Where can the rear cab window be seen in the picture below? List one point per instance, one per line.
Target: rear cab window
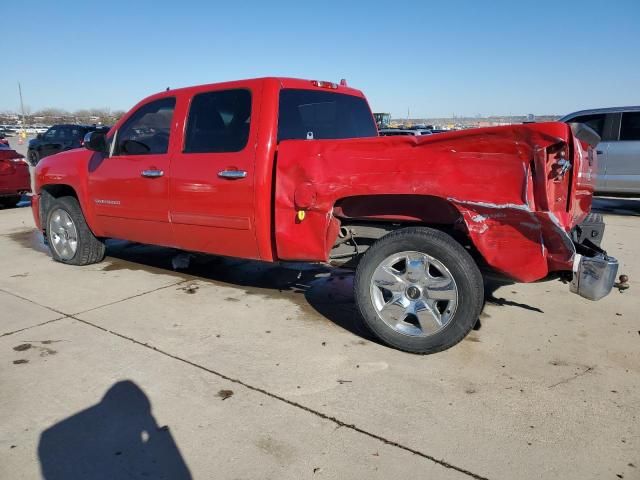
(318, 115)
(630, 126)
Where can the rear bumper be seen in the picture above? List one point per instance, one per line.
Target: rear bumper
(593, 277)
(594, 272)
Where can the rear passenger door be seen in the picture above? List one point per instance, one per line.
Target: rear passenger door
(211, 196)
(623, 155)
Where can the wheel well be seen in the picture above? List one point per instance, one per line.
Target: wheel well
(366, 218)
(422, 209)
(48, 193)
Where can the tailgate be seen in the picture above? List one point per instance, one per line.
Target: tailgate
(564, 174)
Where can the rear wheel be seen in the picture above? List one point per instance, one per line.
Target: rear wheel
(69, 237)
(10, 202)
(419, 290)
(33, 158)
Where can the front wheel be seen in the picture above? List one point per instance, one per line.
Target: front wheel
(33, 158)
(418, 290)
(69, 237)
(11, 202)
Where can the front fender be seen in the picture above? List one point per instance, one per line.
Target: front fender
(68, 169)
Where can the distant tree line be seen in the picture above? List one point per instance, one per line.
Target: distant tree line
(51, 115)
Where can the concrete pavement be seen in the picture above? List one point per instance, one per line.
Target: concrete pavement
(236, 369)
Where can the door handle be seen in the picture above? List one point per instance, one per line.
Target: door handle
(152, 173)
(599, 152)
(232, 174)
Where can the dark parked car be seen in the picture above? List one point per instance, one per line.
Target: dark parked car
(58, 139)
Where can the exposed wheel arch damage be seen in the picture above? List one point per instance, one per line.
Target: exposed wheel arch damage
(490, 183)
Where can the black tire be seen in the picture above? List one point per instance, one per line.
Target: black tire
(449, 253)
(89, 249)
(10, 202)
(33, 158)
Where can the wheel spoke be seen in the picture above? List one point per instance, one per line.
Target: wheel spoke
(442, 288)
(388, 278)
(395, 310)
(66, 219)
(416, 267)
(428, 317)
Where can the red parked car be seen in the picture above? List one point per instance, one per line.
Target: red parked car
(287, 169)
(14, 177)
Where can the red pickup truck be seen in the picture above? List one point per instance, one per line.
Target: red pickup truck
(281, 169)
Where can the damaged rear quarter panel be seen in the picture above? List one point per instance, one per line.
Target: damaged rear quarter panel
(484, 173)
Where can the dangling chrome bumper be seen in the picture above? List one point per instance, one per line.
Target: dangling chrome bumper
(593, 277)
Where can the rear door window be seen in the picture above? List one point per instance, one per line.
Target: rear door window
(595, 121)
(630, 126)
(310, 114)
(218, 122)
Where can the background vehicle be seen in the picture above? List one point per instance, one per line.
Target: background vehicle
(4, 143)
(382, 119)
(15, 179)
(619, 148)
(388, 132)
(58, 138)
(282, 169)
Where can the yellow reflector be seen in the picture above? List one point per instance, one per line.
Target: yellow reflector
(301, 215)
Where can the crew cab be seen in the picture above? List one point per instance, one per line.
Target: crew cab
(281, 169)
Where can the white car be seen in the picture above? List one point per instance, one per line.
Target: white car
(619, 147)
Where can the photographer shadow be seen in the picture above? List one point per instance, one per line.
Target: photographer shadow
(116, 438)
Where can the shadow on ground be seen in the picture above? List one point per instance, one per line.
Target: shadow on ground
(317, 289)
(616, 206)
(116, 438)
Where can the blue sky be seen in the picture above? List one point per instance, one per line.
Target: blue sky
(437, 58)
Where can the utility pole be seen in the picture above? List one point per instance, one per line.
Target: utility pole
(21, 105)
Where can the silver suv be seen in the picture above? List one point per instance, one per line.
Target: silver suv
(619, 149)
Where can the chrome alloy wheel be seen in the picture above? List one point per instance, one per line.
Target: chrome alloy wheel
(63, 234)
(414, 293)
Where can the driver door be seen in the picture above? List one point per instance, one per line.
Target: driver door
(129, 185)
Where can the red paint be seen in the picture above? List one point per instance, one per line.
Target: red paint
(499, 185)
(14, 173)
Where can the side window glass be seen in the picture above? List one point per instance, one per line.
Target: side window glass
(65, 133)
(51, 134)
(630, 126)
(595, 121)
(147, 131)
(218, 122)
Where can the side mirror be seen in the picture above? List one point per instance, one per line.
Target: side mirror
(40, 136)
(96, 141)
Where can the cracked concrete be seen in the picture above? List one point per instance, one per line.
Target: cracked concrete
(547, 388)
